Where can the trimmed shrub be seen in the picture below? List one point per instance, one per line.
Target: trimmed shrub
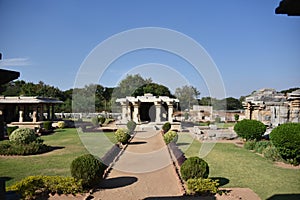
(286, 139)
(61, 124)
(31, 186)
(271, 153)
(218, 119)
(250, 129)
(47, 125)
(170, 136)
(95, 121)
(88, 169)
(261, 145)
(131, 125)
(194, 167)
(122, 135)
(236, 117)
(23, 136)
(101, 120)
(202, 186)
(250, 145)
(12, 148)
(10, 129)
(166, 127)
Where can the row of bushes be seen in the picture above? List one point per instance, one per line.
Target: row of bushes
(285, 139)
(32, 186)
(195, 172)
(86, 170)
(266, 148)
(23, 141)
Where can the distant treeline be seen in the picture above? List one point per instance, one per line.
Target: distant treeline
(104, 97)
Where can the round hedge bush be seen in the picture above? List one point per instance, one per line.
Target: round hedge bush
(170, 136)
(61, 124)
(131, 125)
(166, 127)
(122, 135)
(286, 139)
(88, 169)
(101, 120)
(23, 136)
(194, 167)
(250, 129)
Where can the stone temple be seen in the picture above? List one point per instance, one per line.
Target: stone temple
(273, 108)
(147, 108)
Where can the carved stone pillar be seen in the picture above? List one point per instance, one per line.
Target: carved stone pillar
(1, 125)
(136, 112)
(21, 119)
(34, 116)
(158, 112)
(124, 112)
(170, 112)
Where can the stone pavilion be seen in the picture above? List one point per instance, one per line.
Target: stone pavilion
(147, 108)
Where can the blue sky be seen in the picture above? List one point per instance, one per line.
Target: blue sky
(251, 46)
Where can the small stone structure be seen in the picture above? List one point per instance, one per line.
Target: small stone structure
(202, 113)
(147, 108)
(27, 109)
(273, 108)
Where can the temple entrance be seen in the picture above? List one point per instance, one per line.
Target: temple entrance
(147, 108)
(147, 112)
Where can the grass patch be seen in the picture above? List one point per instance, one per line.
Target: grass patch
(69, 146)
(245, 169)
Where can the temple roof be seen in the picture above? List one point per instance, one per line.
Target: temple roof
(28, 100)
(7, 76)
(289, 7)
(147, 98)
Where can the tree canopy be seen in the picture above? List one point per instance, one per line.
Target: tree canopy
(187, 96)
(103, 98)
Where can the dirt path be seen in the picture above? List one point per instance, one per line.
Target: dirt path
(145, 169)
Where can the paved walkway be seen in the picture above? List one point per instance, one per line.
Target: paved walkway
(144, 170)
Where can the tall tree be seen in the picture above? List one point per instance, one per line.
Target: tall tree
(129, 85)
(187, 96)
(153, 88)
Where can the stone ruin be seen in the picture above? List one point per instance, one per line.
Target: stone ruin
(273, 108)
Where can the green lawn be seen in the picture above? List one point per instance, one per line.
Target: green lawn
(69, 146)
(243, 168)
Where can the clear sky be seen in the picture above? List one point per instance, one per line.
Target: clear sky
(251, 46)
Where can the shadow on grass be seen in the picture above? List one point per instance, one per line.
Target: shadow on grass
(5, 178)
(53, 148)
(137, 142)
(117, 182)
(211, 197)
(182, 143)
(222, 181)
(59, 130)
(284, 197)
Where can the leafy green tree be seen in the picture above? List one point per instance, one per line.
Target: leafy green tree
(153, 88)
(233, 104)
(187, 96)
(129, 85)
(206, 101)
